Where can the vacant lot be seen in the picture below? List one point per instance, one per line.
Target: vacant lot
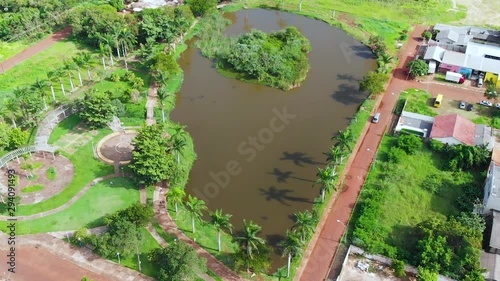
(480, 12)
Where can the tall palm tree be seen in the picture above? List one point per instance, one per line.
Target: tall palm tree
(39, 88)
(335, 154)
(304, 224)
(176, 195)
(325, 179)
(58, 73)
(68, 67)
(176, 146)
(291, 246)
(79, 63)
(384, 60)
(249, 241)
(11, 110)
(195, 208)
(221, 221)
(51, 75)
(86, 59)
(344, 139)
(162, 97)
(115, 34)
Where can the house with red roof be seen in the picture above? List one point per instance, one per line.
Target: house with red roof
(455, 129)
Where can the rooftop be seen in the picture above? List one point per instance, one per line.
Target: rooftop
(454, 125)
(491, 262)
(495, 230)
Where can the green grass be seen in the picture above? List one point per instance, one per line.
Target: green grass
(418, 101)
(405, 203)
(39, 65)
(9, 49)
(205, 235)
(99, 201)
(86, 169)
(51, 173)
(64, 127)
(33, 188)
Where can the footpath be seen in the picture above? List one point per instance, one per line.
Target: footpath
(318, 257)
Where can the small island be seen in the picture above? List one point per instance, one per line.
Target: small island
(278, 59)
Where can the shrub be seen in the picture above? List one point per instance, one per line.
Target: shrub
(426, 275)
(129, 76)
(119, 107)
(115, 77)
(437, 146)
(409, 143)
(426, 35)
(399, 268)
(433, 183)
(395, 155)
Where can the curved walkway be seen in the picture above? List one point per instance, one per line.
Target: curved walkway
(67, 204)
(35, 49)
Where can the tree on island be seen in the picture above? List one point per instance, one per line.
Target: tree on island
(177, 262)
(418, 68)
(151, 163)
(95, 109)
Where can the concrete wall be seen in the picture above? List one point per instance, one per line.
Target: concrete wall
(449, 140)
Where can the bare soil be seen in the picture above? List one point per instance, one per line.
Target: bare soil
(481, 12)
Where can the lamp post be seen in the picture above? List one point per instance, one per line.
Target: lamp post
(118, 254)
(343, 233)
(374, 157)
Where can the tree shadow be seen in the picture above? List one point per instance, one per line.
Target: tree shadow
(348, 94)
(348, 77)
(282, 176)
(273, 240)
(363, 52)
(300, 158)
(404, 238)
(281, 195)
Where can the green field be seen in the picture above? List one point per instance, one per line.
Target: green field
(64, 127)
(9, 49)
(39, 65)
(417, 101)
(399, 188)
(88, 211)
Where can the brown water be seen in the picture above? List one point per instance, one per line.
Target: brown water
(259, 148)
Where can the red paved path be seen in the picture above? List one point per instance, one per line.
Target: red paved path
(319, 255)
(33, 50)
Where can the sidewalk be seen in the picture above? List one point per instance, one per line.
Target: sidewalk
(35, 49)
(319, 255)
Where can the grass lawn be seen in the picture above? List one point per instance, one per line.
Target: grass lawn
(418, 101)
(404, 201)
(51, 173)
(9, 49)
(86, 169)
(39, 65)
(101, 200)
(33, 188)
(205, 235)
(64, 127)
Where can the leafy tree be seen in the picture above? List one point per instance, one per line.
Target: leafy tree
(95, 109)
(39, 88)
(418, 68)
(195, 208)
(80, 236)
(176, 195)
(373, 82)
(491, 92)
(200, 7)
(150, 161)
(16, 138)
(219, 222)
(396, 155)
(30, 105)
(118, 4)
(377, 44)
(250, 243)
(177, 262)
(425, 274)
(305, 224)
(291, 246)
(399, 268)
(409, 143)
(427, 35)
(122, 237)
(138, 214)
(165, 63)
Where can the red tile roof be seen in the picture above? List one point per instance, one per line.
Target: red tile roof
(454, 125)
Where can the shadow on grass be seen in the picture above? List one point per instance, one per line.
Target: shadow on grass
(405, 239)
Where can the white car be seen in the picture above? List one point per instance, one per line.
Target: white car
(485, 103)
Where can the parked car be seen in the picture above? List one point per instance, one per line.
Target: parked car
(462, 105)
(470, 107)
(485, 103)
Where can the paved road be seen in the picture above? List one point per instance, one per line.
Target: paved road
(320, 253)
(35, 49)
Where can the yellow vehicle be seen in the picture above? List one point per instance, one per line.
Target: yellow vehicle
(438, 101)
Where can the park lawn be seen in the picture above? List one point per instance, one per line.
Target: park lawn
(99, 201)
(26, 73)
(405, 204)
(9, 49)
(51, 173)
(205, 235)
(87, 168)
(64, 127)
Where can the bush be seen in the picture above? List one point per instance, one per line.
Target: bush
(119, 107)
(426, 275)
(426, 35)
(396, 154)
(433, 183)
(409, 143)
(437, 146)
(115, 77)
(399, 268)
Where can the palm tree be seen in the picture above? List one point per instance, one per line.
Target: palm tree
(11, 110)
(344, 139)
(86, 59)
(162, 97)
(39, 88)
(58, 73)
(176, 195)
(176, 146)
(68, 67)
(384, 60)
(195, 208)
(325, 178)
(221, 221)
(304, 224)
(249, 241)
(335, 154)
(106, 42)
(50, 76)
(291, 246)
(116, 35)
(79, 63)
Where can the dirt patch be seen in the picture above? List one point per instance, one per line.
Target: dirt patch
(347, 19)
(117, 147)
(64, 172)
(480, 12)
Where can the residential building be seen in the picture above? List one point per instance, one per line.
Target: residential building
(455, 129)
